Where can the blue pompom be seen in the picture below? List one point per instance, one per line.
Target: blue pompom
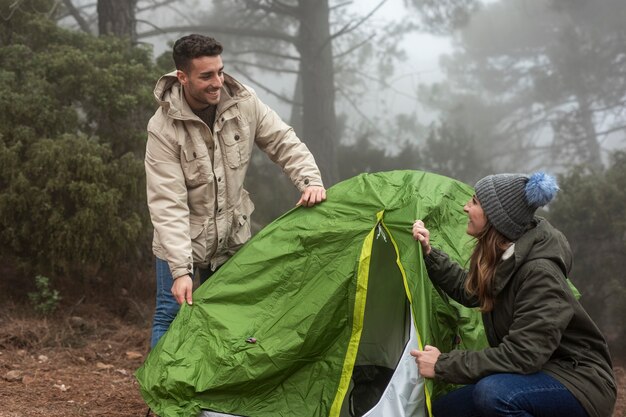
(541, 189)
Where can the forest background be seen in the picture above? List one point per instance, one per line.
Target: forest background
(520, 85)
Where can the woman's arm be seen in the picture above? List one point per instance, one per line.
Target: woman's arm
(541, 315)
(444, 273)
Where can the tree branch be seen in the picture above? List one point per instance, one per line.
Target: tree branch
(609, 131)
(385, 84)
(276, 7)
(266, 89)
(82, 23)
(354, 48)
(340, 5)
(168, 4)
(267, 53)
(12, 9)
(349, 27)
(261, 66)
(228, 30)
(619, 104)
(156, 5)
(366, 118)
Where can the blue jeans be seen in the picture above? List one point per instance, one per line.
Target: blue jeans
(166, 305)
(499, 395)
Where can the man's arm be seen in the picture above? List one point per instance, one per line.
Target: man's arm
(279, 141)
(167, 202)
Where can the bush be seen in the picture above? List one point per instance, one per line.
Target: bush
(73, 114)
(45, 300)
(590, 212)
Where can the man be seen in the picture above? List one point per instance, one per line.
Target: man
(198, 151)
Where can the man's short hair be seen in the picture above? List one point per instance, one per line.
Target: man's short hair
(194, 46)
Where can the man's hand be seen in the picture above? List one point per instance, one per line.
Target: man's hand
(426, 360)
(311, 196)
(182, 289)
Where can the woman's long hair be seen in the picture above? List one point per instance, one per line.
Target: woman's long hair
(490, 246)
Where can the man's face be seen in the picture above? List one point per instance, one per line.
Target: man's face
(202, 81)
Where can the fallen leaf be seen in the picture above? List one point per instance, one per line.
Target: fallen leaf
(27, 380)
(13, 376)
(131, 354)
(101, 365)
(42, 358)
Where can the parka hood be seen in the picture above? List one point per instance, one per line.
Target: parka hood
(544, 242)
(168, 92)
(540, 241)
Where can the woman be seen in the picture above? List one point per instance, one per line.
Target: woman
(546, 357)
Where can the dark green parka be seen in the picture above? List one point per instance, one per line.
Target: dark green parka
(536, 323)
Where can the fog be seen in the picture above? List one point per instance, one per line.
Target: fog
(461, 88)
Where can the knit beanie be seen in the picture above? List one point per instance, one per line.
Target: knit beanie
(510, 200)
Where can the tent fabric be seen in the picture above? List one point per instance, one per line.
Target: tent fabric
(278, 330)
(404, 396)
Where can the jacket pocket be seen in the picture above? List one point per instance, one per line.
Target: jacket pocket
(237, 145)
(197, 233)
(240, 230)
(196, 165)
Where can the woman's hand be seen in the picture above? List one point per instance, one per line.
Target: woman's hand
(421, 234)
(426, 360)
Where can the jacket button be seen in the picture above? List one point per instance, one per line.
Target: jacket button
(306, 181)
(245, 217)
(189, 267)
(219, 179)
(236, 137)
(219, 210)
(222, 119)
(194, 155)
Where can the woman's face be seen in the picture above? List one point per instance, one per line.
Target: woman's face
(477, 219)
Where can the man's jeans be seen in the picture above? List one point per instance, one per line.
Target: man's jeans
(499, 395)
(166, 305)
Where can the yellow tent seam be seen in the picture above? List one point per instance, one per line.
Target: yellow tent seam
(357, 319)
(408, 294)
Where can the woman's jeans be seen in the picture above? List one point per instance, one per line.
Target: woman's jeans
(499, 395)
(166, 305)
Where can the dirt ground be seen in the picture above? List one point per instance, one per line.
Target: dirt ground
(72, 366)
(84, 366)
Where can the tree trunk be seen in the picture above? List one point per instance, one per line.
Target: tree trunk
(318, 86)
(589, 142)
(117, 18)
(296, 108)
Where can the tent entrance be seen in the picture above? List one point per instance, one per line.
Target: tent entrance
(386, 329)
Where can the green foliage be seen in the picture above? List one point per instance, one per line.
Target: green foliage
(57, 81)
(73, 112)
(589, 210)
(45, 300)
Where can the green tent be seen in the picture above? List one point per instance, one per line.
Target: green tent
(315, 315)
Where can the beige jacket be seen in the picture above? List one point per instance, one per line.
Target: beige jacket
(199, 208)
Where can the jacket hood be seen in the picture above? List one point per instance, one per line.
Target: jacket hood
(168, 92)
(541, 241)
(544, 242)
